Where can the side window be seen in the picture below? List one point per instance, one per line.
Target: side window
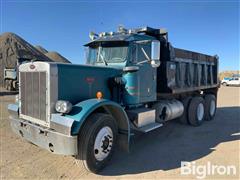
(141, 48)
(91, 54)
(134, 53)
(138, 50)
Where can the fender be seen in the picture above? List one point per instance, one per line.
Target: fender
(83, 109)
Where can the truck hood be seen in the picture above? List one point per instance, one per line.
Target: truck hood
(80, 82)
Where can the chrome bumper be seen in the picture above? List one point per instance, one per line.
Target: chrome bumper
(46, 138)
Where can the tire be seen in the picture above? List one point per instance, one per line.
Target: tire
(8, 85)
(5, 84)
(224, 84)
(99, 129)
(184, 118)
(210, 106)
(196, 111)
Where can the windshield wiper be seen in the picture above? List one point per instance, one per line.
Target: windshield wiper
(146, 56)
(103, 60)
(99, 54)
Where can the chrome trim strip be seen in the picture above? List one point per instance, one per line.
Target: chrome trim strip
(51, 92)
(61, 124)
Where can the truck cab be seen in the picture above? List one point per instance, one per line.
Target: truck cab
(135, 55)
(133, 82)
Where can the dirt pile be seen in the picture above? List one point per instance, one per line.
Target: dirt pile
(15, 50)
(55, 56)
(41, 49)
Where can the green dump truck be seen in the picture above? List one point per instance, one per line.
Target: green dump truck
(134, 81)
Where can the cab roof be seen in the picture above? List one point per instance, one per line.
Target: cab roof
(119, 38)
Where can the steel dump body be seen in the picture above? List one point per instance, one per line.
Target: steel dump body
(186, 71)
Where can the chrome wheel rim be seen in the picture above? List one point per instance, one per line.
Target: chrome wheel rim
(200, 111)
(103, 143)
(212, 107)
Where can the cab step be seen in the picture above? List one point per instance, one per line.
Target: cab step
(150, 127)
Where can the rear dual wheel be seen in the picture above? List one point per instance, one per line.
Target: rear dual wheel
(210, 106)
(200, 109)
(196, 111)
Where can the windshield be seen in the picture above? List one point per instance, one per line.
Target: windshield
(104, 54)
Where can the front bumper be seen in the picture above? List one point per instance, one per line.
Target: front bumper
(46, 138)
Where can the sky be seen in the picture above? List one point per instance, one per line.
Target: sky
(63, 26)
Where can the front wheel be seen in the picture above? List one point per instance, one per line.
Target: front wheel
(97, 141)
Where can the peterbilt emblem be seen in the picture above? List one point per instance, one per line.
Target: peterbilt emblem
(90, 79)
(32, 66)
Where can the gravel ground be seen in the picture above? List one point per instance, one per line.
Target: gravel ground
(155, 155)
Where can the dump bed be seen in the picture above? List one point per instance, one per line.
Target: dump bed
(184, 71)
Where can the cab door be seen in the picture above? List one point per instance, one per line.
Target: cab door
(146, 73)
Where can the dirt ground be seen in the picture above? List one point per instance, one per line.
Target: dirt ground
(156, 155)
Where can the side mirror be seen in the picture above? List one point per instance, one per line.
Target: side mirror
(155, 53)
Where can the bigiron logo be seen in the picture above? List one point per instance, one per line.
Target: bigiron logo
(209, 169)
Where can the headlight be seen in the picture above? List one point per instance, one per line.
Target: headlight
(63, 106)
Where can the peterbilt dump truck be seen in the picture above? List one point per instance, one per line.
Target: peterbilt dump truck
(134, 81)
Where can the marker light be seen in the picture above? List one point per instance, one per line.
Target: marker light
(99, 95)
(63, 106)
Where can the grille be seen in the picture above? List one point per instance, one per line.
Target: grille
(33, 94)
